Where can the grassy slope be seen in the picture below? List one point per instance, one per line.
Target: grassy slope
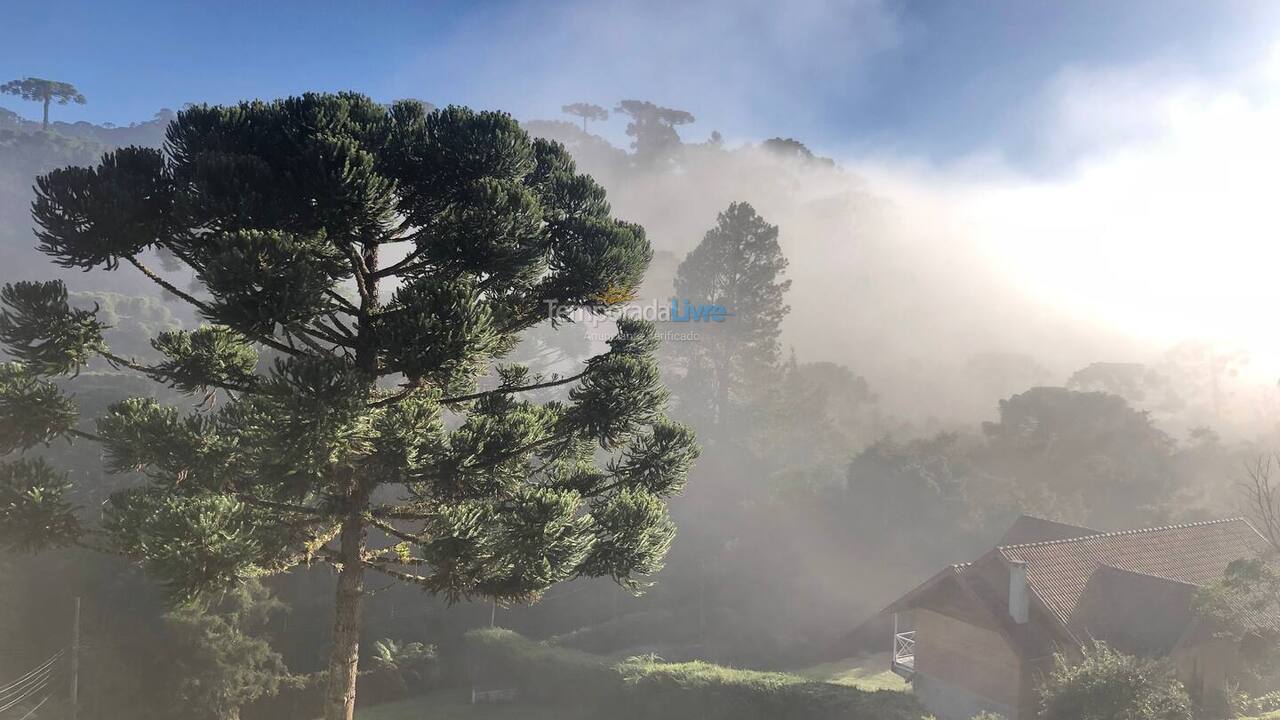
(456, 706)
(868, 672)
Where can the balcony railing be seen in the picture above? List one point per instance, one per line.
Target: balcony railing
(904, 652)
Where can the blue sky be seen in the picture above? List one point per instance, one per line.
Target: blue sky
(936, 80)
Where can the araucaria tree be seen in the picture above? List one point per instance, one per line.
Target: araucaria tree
(363, 271)
(653, 128)
(586, 111)
(44, 92)
(738, 266)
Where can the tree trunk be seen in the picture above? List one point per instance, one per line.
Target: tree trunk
(344, 656)
(46, 114)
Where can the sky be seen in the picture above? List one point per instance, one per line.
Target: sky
(1116, 160)
(936, 80)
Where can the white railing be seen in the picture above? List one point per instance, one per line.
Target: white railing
(904, 649)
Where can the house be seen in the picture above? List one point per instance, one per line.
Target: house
(980, 636)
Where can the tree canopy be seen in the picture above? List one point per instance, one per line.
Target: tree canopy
(362, 270)
(44, 92)
(653, 128)
(586, 111)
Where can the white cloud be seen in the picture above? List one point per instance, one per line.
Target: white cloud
(1164, 228)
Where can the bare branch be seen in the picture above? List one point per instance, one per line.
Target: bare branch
(392, 530)
(361, 272)
(343, 303)
(280, 506)
(397, 574)
(514, 389)
(1262, 499)
(402, 265)
(156, 373)
(167, 285)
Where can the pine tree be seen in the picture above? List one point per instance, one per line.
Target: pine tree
(738, 266)
(363, 271)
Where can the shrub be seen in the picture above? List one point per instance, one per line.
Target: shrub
(1246, 706)
(1108, 685)
(411, 665)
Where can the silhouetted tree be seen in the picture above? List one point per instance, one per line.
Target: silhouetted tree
(586, 111)
(737, 266)
(1088, 449)
(44, 92)
(1134, 382)
(1262, 501)
(653, 128)
(367, 416)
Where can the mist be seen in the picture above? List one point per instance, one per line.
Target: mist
(990, 276)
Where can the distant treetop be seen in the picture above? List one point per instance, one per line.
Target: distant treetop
(586, 111)
(45, 92)
(653, 127)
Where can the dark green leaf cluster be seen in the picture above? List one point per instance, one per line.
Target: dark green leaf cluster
(440, 332)
(41, 329)
(210, 357)
(90, 217)
(45, 411)
(196, 544)
(34, 512)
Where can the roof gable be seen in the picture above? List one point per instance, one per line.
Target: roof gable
(1029, 529)
(1135, 613)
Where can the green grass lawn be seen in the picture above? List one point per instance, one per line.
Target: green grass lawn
(457, 706)
(866, 672)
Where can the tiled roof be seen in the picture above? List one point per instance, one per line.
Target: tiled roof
(1059, 570)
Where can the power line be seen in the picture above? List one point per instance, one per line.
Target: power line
(33, 710)
(30, 685)
(22, 698)
(38, 669)
(25, 689)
